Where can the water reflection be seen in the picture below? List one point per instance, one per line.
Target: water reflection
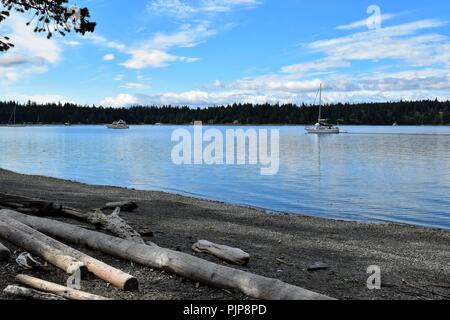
(372, 173)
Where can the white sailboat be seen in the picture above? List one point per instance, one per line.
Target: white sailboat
(13, 117)
(322, 126)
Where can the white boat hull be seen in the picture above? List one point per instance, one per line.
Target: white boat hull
(322, 130)
(118, 125)
(110, 126)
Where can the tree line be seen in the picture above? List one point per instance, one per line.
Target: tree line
(426, 112)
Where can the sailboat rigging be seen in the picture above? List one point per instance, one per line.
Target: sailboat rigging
(13, 118)
(322, 126)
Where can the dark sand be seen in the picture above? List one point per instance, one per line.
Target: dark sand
(420, 256)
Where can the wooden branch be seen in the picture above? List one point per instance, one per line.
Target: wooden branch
(26, 293)
(185, 265)
(114, 276)
(115, 224)
(123, 205)
(57, 289)
(30, 243)
(5, 254)
(232, 255)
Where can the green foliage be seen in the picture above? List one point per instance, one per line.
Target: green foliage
(48, 16)
(404, 113)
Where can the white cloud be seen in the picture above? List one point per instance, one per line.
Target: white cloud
(363, 23)
(109, 57)
(386, 43)
(33, 53)
(135, 86)
(153, 53)
(72, 43)
(186, 9)
(122, 100)
(141, 58)
(318, 65)
(119, 77)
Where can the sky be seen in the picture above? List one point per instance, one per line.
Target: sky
(215, 52)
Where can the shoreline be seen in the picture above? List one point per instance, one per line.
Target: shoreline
(193, 197)
(418, 254)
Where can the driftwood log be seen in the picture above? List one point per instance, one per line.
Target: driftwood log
(39, 207)
(5, 254)
(185, 265)
(112, 223)
(231, 255)
(26, 293)
(57, 289)
(115, 224)
(116, 277)
(30, 243)
(123, 205)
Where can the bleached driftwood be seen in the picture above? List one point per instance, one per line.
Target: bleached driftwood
(114, 276)
(29, 243)
(185, 265)
(5, 254)
(123, 205)
(26, 293)
(112, 223)
(232, 255)
(57, 289)
(25, 260)
(115, 224)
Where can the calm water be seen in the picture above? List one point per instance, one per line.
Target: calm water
(399, 174)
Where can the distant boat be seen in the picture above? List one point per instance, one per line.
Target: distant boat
(395, 124)
(322, 126)
(118, 125)
(67, 124)
(13, 118)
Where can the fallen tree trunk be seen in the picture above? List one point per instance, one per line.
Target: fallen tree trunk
(30, 243)
(26, 293)
(185, 265)
(115, 224)
(5, 254)
(114, 276)
(123, 205)
(39, 207)
(231, 255)
(57, 289)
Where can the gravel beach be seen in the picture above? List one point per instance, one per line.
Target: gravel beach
(414, 261)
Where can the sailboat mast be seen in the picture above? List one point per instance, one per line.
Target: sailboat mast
(320, 103)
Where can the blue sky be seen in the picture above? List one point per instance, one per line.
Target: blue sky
(211, 52)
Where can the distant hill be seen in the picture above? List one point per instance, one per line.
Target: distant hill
(426, 112)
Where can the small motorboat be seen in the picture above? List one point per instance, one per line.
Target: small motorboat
(118, 125)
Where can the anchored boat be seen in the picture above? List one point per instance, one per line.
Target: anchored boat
(118, 125)
(322, 126)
